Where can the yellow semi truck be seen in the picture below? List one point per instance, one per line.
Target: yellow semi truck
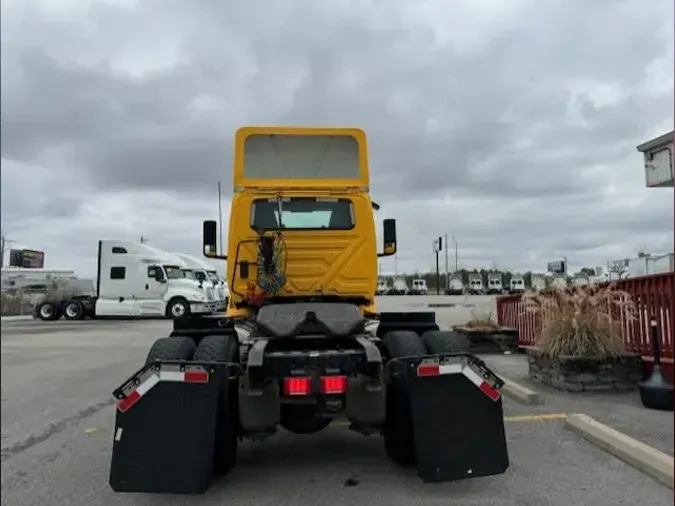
(302, 342)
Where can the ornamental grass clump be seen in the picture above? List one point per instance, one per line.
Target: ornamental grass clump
(482, 320)
(583, 321)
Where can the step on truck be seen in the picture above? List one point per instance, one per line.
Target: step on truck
(133, 280)
(302, 342)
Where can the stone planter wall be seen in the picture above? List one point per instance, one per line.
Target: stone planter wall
(577, 374)
(499, 340)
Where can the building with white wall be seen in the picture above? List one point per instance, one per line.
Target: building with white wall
(658, 160)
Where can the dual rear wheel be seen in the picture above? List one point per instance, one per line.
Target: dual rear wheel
(399, 439)
(398, 429)
(214, 348)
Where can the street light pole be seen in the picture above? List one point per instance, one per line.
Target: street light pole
(456, 253)
(438, 245)
(447, 275)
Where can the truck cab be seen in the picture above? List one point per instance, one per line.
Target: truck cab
(302, 223)
(475, 285)
(137, 280)
(204, 272)
(382, 287)
(419, 287)
(517, 284)
(455, 286)
(399, 287)
(495, 284)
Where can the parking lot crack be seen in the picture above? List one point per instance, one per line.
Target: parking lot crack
(53, 428)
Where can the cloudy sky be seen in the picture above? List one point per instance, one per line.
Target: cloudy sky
(510, 124)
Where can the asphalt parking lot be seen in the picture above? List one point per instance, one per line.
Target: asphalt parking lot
(57, 419)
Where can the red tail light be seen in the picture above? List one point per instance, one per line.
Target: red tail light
(334, 384)
(297, 385)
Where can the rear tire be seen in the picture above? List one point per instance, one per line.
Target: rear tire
(73, 310)
(171, 348)
(48, 311)
(399, 436)
(445, 341)
(219, 348)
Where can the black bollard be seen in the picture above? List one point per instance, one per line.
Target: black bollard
(656, 392)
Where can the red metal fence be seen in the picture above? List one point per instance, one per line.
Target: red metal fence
(653, 297)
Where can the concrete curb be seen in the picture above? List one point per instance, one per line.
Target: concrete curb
(650, 461)
(16, 318)
(520, 394)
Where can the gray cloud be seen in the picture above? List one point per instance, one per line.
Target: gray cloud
(513, 128)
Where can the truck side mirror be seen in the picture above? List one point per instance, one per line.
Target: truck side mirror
(159, 276)
(209, 240)
(389, 226)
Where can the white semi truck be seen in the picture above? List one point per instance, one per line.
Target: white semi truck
(382, 286)
(517, 284)
(205, 273)
(400, 287)
(455, 286)
(475, 284)
(419, 287)
(134, 280)
(494, 284)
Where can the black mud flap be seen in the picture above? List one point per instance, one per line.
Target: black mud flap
(165, 428)
(458, 418)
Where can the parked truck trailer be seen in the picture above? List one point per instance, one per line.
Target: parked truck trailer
(308, 356)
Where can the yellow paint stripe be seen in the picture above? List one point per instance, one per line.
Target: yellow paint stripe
(509, 419)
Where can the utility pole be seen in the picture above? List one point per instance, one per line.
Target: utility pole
(2, 251)
(456, 253)
(438, 246)
(447, 273)
(220, 219)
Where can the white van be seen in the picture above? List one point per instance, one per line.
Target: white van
(419, 287)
